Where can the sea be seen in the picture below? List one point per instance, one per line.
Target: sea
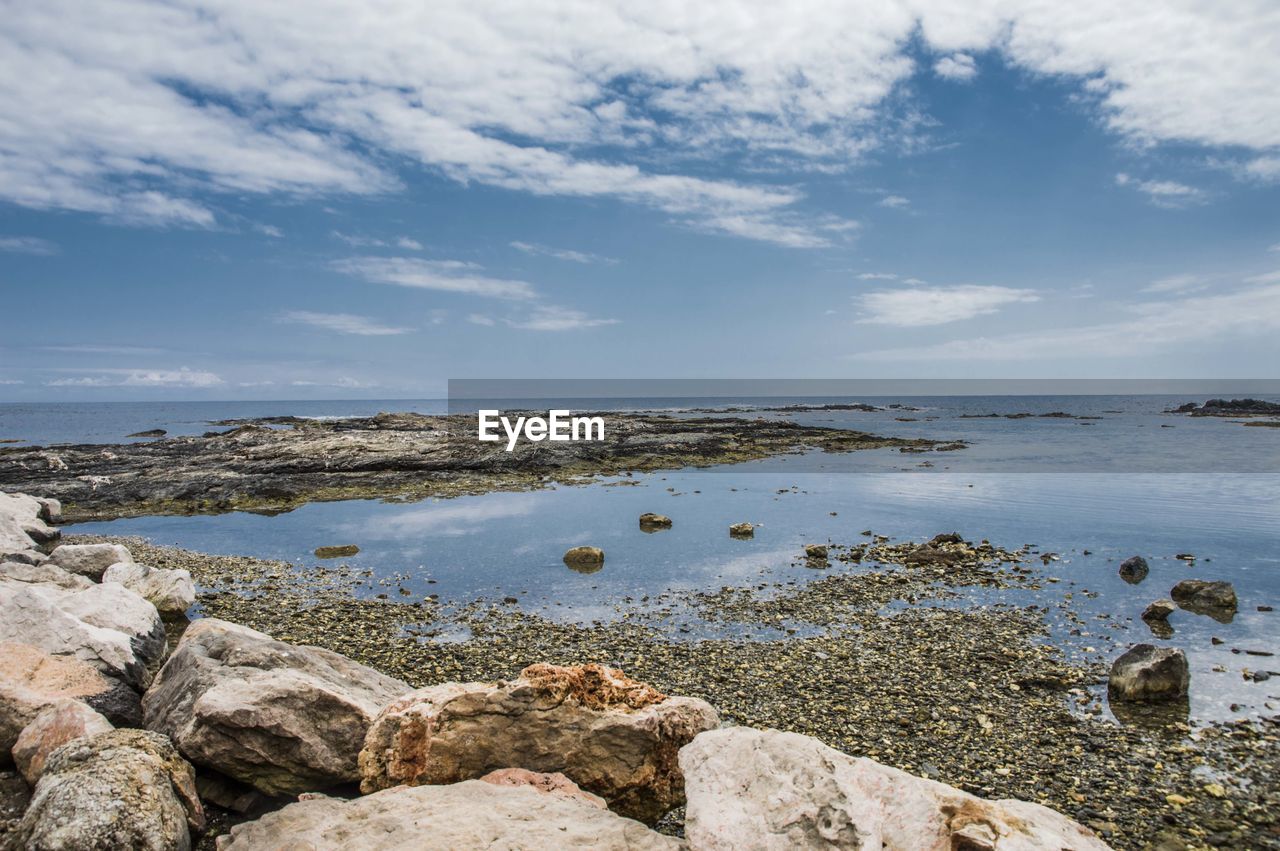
(1100, 479)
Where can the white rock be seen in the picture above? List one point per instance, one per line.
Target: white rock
(90, 560)
(23, 515)
(171, 591)
(765, 789)
(47, 574)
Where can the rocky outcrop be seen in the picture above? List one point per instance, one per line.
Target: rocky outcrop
(54, 725)
(552, 784)
(612, 736)
(45, 679)
(765, 789)
(108, 626)
(1215, 599)
(1134, 569)
(120, 789)
(281, 718)
(650, 522)
(471, 814)
(1229, 408)
(171, 591)
(91, 560)
(1149, 673)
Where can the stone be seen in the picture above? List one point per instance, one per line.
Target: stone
(471, 814)
(50, 509)
(30, 557)
(53, 726)
(742, 530)
(22, 525)
(1149, 673)
(612, 736)
(337, 551)
(1133, 569)
(64, 623)
(584, 557)
(119, 789)
(765, 789)
(50, 678)
(281, 718)
(650, 522)
(171, 591)
(1216, 599)
(43, 573)
(816, 552)
(554, 783)
(18, 708)
(1159, 610)
(89, 560)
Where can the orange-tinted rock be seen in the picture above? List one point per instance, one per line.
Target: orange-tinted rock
(554, 783)
(54, 725)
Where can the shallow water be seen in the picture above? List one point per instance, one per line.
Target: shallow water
(1013, 487)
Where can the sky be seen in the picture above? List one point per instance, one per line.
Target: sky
(238, 200)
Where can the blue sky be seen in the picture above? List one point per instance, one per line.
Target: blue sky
(210, 200)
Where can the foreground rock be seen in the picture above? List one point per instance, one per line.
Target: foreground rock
(43, 679)
(42, 573)
(54, 726)
(765, 789)
(121, 789)
(612, 736)
(1148, 673)
(91, 560)
(108, 626)
(1216, 599)
(473, 814)
(281, 718)
(171, 591)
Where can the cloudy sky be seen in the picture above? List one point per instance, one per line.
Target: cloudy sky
(318, 199)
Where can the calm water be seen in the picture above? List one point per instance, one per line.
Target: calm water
(1056, 483)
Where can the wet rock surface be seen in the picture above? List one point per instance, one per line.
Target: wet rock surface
(1216, 599)
(612, 736)
(472, 814)
(1149, 673)
(282, 718)
(403, 455)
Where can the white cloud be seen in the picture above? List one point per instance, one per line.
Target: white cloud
(551, 318)
(1263, 168)
(183, 377)
(1164, 193)
(1177, 284)
(958, 66)
(1149, 326)
(878, 276)
(895, 202)
(160, 103)
(408, 243)
(269, 230)
(343, 323)
(27, 245)
(8, 382)
(443, 275)
(561, 253)
(907, 308)
(1265, 278)
(481, 319)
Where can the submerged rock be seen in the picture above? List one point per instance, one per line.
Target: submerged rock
(339, 551)
(1133, 569)
(765, 789)
(1147, 673)
(281, 718)
(614, 737)
(471, 814)
(91, 560)
(120, 789)
(650, 522)
(171, 591)
(54, 725)
(584, 559)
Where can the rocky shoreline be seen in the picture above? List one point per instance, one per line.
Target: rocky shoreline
(278, 463)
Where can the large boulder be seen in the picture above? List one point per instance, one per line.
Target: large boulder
(22, 523)
(91, 560)
(472, 814)
(765, 789)
(47, 678)
(281, 718)
(171, 591)
(1216, 599)
(120, 789)
(1149, 673)
(54, 725)
(552, 784)
(612, 736)
(83, 624)
(42, 573)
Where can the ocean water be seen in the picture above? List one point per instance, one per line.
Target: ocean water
(1117, 486)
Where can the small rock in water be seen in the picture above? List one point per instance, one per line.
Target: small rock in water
(1133, 569)
(154, 432)
(1149, 673)
(742, 530)
(1185, 557)
(816, 552)
(650, 522)
(1159, 610)
(339, 551)
(1215, 599)
(584, 559)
